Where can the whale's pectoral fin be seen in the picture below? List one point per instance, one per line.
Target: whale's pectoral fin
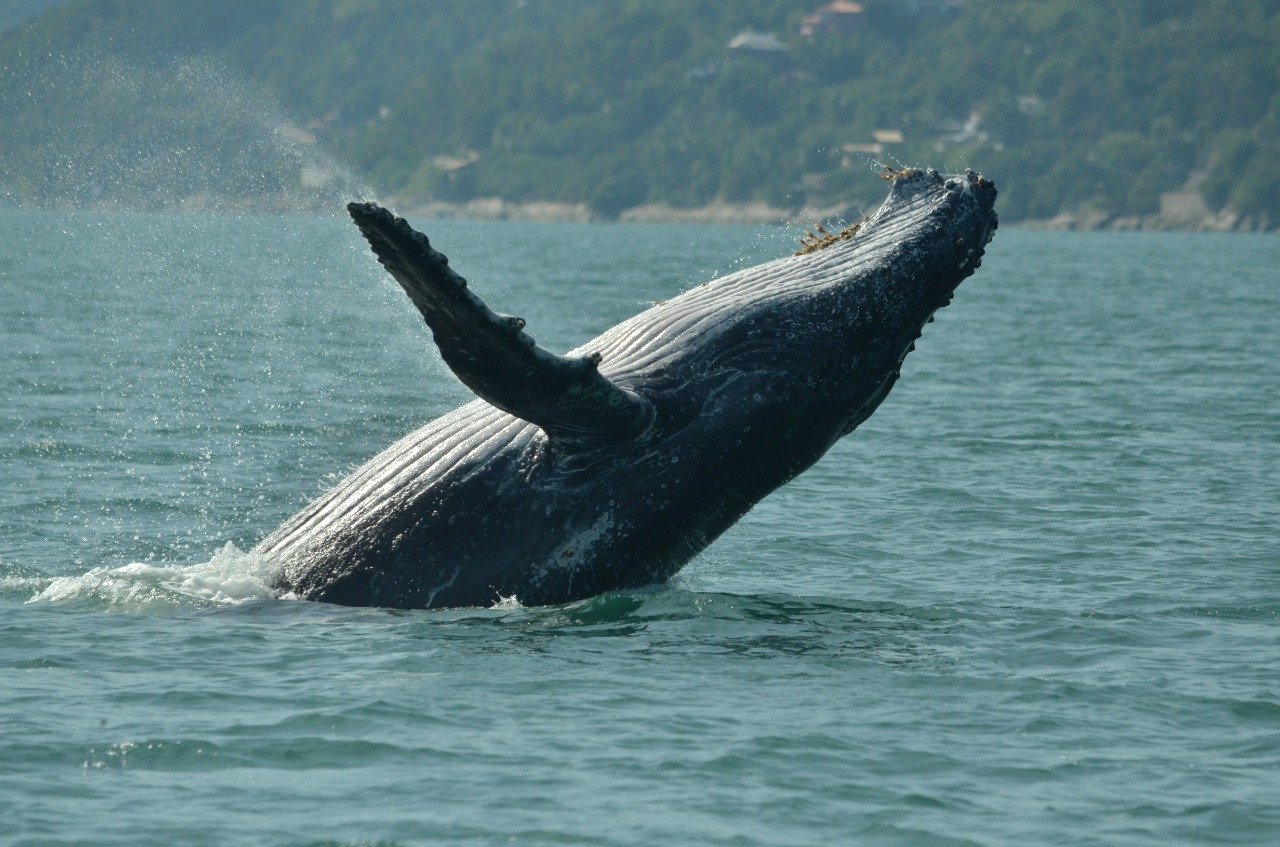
(490, 353)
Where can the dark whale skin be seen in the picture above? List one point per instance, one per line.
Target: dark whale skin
(611, 467)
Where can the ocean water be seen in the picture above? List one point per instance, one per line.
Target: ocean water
(1035, 600)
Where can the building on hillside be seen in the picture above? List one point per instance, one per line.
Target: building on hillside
(881, 140)
(966, 133)
(838, 18)
(762, 46)
(844, 17)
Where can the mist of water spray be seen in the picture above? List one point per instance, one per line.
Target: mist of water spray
(166, 133)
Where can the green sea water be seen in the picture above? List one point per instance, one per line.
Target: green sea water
(1034, 600)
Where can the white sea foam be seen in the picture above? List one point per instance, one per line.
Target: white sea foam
(232, 576)
(507, 603)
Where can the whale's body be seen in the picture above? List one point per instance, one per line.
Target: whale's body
(610, 467)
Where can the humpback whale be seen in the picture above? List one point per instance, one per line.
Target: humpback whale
(611, 466)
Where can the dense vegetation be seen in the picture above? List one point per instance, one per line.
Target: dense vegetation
(616, 103)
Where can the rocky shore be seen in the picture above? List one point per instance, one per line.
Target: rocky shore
(755, 213)
(1183, 210)
(1180, 211)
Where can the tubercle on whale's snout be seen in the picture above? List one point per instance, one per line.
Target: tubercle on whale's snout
(923, 201)
(912, 182)
(918, 192)
(981, 181)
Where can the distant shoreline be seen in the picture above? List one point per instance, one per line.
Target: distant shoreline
(718, 212)
(1180, 211)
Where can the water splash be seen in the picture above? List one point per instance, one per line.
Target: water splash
(176, 133)
(231, 577)
(507, 604)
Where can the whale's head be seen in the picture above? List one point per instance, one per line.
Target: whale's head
(903, 265)
(828, 327)
(876, 286)
(927, 236)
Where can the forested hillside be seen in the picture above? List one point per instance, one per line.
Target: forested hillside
(1094, 109)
